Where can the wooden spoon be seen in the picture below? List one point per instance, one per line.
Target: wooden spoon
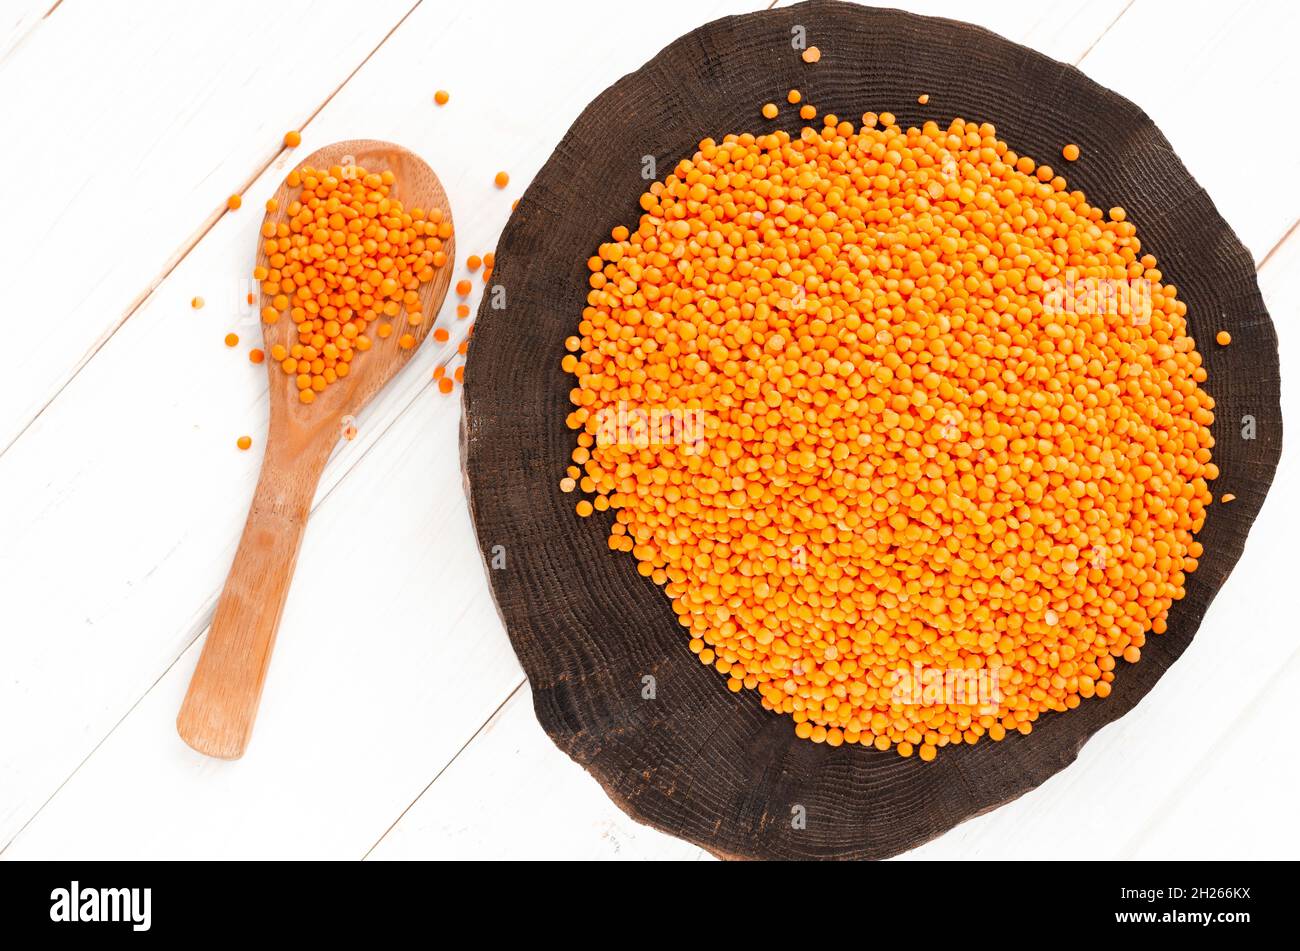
(221, 705)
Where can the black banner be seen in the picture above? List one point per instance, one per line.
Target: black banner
(1221, 901)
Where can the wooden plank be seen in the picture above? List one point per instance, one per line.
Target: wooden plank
(132, 146)
(513, 795)
(149, 483)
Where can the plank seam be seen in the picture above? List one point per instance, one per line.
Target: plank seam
(447, 765)
(1093, 45)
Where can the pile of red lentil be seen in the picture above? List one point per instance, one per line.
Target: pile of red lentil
(348, 256)
(913, 456)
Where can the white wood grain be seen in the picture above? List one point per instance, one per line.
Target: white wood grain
(513, 795)
(1211, 73)
(387, 660)
(120, 506)
(133, 123)
(18, 18)
(1239, 801)
(150, 487)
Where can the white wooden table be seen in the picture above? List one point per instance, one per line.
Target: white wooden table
(396, 721)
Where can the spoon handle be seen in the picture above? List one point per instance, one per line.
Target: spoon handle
(221, 704)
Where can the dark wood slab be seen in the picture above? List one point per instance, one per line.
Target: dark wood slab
(698, 761)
